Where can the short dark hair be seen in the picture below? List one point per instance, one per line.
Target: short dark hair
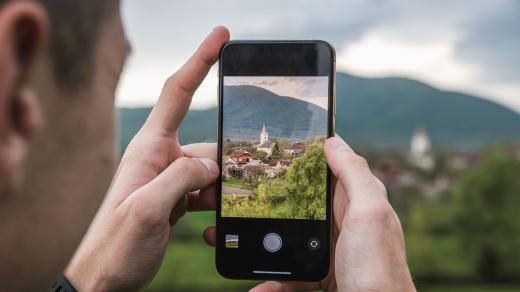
(75, 27)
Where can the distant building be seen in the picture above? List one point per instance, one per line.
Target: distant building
(242, 157)
(264, 135)
(283, 164)
(230, 168)
(296, 149)
(265, 145)
(420, 149)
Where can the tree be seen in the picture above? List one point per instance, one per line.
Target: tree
(277, 153)
(255, 175)
(487, 201)
(306, 184)
(274, 190)
(228, 148)
(260, 155)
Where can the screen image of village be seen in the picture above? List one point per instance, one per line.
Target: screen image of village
(272, 157)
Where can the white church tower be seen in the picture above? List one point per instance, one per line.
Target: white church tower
(420, 149)
(264, 136)
(265, 145)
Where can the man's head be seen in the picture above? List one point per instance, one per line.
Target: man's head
(60, 61)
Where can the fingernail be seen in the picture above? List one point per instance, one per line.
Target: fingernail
(337, 143)
(210, 165)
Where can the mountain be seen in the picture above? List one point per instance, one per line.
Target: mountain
(381, 113)
(385, 111)
(247, 108)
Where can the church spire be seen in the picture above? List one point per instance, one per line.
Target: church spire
(264, 136)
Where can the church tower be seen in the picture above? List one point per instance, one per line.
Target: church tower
(421, 149)
(264, 136)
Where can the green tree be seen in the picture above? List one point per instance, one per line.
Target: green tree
(260, 155)
(306, 184)
(487, 201)
(228, 148)
(274, 190)
(277, 153)
(255, 175)
(283, 143)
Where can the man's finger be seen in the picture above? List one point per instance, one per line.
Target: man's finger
(203, 200)
(351, 169)
(178, 210)
(200, 150)
(179, 178)
(178, 90)
(210, 235)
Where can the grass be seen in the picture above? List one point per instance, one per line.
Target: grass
(189, 264)
(235, 182)
(282, 209)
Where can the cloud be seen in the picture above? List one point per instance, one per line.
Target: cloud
(493, 41)
(377, 54)
(268, 83)
(474, 42)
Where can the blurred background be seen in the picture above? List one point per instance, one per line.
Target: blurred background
(428, 91)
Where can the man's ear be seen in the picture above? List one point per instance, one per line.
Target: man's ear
(23, 33)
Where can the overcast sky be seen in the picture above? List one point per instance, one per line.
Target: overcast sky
(469, 45)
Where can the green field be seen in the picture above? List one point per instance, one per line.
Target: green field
(189, 264)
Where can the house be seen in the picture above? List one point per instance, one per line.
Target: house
(227, 161)
(230, 168)
(265, 145)
(296, 149)
(234, 164)
(271, 172)
(283, 164)
(242, 157)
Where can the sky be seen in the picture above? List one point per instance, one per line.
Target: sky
(467, 45)
(313, 89)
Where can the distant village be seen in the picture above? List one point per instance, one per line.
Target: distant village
(423, 170)
(241, 162)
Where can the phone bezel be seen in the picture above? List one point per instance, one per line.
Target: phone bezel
(330, 72)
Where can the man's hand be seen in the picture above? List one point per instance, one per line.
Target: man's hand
(156, 182)
(370, 253)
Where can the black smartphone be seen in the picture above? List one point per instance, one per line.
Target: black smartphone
(276, 109)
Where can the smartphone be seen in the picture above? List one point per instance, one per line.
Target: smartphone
(276, 109)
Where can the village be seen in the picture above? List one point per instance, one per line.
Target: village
(420, 170)
(263, 158)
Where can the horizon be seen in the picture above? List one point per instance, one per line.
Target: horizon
(215, 104)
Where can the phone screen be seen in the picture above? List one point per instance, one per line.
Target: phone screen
(273, 218)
